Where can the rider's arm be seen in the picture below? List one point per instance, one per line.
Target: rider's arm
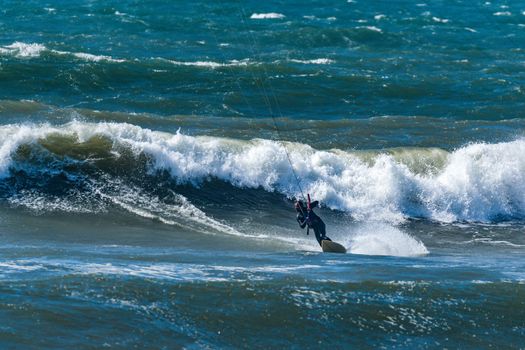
(301, 220)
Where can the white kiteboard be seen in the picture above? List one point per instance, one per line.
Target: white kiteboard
(332, 247)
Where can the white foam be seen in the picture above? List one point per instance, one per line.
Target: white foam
(11, 137)
(24, 50)
(440, 20)
(381, 239)
(178, 272)
(479, 182)
(20, 49)
(371, 28)
(502, 13)
(410, 284)
(314, 61)
(96, 58)
(271, 15)
(17, 266)
(495, 242)
(179, 213)
(210, 64)
(40, 202)
(88, 57)
(155, 270)
(481, 282)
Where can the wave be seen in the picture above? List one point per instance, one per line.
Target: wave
(271, 15)
(175, 210)
(502, 13)
(24, 50)
(476, 183)
(34, 50)
(211, 64)
(494, 242)
(314, 61)
(89, 57)
(371, 28)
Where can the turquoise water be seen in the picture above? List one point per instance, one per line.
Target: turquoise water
(148, 161)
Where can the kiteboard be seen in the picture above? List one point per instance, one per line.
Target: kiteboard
(332, 247)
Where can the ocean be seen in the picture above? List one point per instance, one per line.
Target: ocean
(151, 152)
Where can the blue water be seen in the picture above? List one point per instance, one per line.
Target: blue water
(150, 152)
(440, 59)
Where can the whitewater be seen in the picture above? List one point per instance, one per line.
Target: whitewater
(476, 183)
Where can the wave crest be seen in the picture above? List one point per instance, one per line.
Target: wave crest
(24, 50)
(477, 183)
(271, 15)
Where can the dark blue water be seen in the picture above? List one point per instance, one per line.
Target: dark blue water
(319, 61)
(150, 152)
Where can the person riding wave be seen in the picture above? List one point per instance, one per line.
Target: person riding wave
(307, 218)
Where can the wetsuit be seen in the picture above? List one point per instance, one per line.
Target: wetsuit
(308, 218)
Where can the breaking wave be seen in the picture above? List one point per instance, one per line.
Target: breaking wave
(35, 50)
(271, 15)
(24, 50)
(476, 183)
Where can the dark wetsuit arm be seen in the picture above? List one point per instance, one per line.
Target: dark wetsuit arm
(301, 220)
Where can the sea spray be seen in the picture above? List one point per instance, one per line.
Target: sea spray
(383, 239)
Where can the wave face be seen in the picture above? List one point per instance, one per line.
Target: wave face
(475, 183)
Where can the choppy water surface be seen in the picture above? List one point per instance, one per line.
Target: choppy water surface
(146, 195)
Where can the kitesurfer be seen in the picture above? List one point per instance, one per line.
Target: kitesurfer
(307, 218)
